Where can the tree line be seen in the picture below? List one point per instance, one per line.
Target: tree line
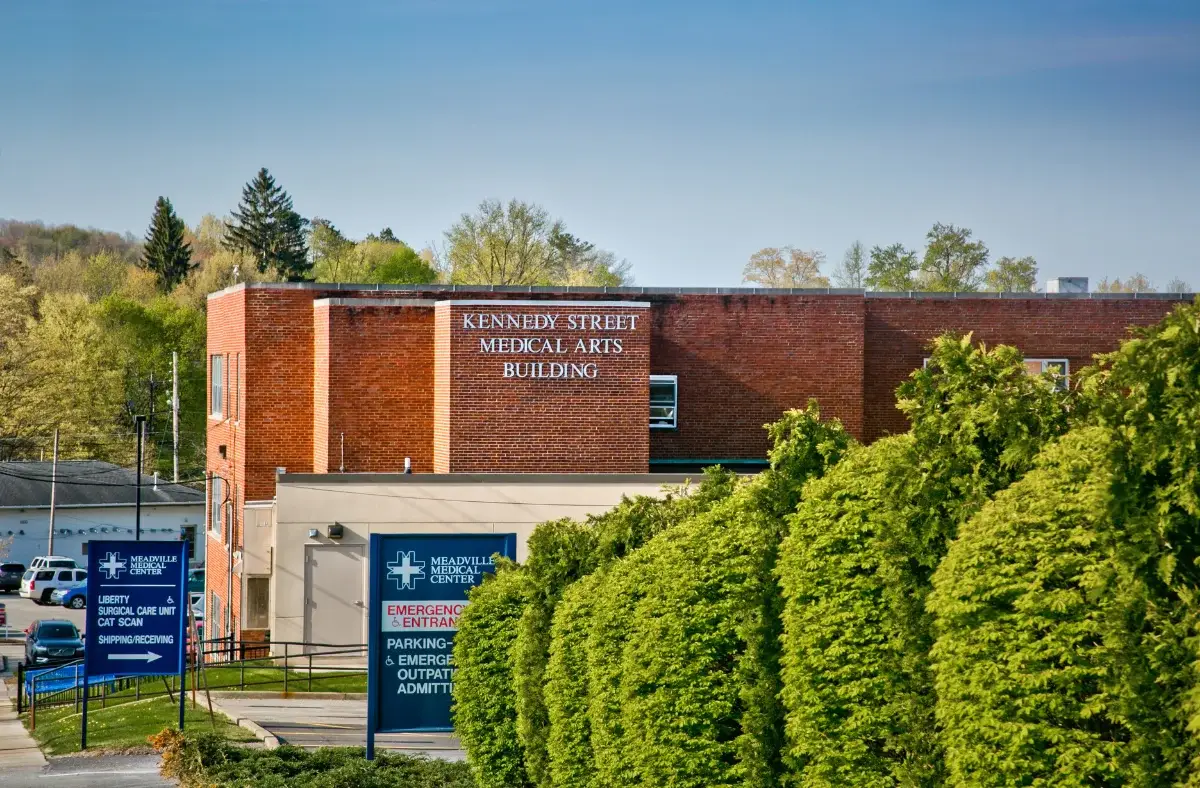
(1004, 595)
(952, 261)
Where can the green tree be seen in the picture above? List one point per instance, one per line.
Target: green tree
(266, 227)
(857, 565)
(519, 244)
(891, 268)
(952, 262)
(578, 262)
(1177, 285)
(17, 302)
(853, 269)
(484, 710)
(501, 245)
(1138, 283)
(785, 266)
(165, 252)
(1013, 275)
(1027, 662)
(327, 244)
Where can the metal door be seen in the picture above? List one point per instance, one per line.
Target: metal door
(334, 590)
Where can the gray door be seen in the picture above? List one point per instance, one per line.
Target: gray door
(334, 584)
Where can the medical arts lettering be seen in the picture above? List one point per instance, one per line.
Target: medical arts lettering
(589, 336)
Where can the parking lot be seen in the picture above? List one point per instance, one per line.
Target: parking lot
(22, 612)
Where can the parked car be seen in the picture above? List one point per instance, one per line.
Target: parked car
(196, 580)
(52, 640)
(39, 584)
(53, 562)
(10, 576)
(74, 598)
(3, 616)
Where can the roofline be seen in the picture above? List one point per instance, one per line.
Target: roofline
(717, 291)
(484, 478)
(145, 504)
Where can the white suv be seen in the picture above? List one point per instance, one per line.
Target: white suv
(39, 584)
(53, 562)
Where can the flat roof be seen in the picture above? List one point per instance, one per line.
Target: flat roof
(716, 291)
(486, 478)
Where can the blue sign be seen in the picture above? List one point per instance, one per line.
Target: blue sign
(419, 587)
(137, 608)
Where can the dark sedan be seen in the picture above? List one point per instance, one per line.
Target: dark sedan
(52, 641)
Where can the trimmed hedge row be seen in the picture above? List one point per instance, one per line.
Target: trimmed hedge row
(485, 711)
(681, 642)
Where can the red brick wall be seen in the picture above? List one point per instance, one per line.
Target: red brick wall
(593, 419)
(898, 332)
(226, 337)
(374, 385)
(744, 359)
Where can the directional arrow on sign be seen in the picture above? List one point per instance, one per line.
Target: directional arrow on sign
(148, 657)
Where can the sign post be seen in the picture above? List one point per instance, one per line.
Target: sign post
(418, 588)
(136, 613)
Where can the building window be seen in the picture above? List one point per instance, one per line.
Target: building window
(213, 619)
(216, 505)
(258, 599)
(1058, 368)
(83, 548)
(234, 388)
(664, 399)
(187, 533)
(217, 384)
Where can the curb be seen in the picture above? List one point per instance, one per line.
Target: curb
(269, 740)
(250, 695)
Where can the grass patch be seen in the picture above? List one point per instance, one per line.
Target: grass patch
(266, 679)
(204, 759)
(123, 726)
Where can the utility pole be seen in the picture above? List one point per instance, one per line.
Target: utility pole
(140, 422)
(175, 414)
(53, 489)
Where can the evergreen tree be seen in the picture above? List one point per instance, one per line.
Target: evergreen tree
(167, 254)
(266, 227)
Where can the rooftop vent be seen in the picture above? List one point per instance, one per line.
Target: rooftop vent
(1068, 284)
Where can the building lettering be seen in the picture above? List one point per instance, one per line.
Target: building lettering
(550, 345)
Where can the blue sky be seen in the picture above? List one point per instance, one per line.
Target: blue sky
(681, 136)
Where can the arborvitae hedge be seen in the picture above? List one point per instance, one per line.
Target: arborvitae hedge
(485, 714)
(1028, 671)
(859, 708)
(559, 552)
(1148, 394)
(569, 744)
(864, 545)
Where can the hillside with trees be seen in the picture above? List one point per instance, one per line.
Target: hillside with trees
(89, 318)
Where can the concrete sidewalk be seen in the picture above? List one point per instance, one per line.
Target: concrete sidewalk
(17, 748)
(335, 721)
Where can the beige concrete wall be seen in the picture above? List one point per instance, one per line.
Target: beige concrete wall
(424, 503)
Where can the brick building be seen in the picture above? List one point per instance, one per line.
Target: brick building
(326, 379)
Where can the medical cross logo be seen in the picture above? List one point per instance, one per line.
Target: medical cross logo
(112, 566)
(404, 570)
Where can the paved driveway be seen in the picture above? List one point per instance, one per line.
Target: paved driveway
(23, 612)
(314, 722)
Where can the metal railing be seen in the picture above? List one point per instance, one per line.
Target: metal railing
(220, 664)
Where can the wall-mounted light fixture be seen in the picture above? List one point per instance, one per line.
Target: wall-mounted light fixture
(313, 533)
(335, 531)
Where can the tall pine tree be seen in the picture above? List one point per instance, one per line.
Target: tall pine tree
(267, 228)
(167, 254)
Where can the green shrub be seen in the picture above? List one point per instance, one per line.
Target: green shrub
(1027, 669)
(484, 711)
(1147, 393)
(864, 543)
(859, 707)
(559, 552)
(569, 741)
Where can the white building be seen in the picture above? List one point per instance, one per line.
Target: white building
(93, 501)
(305, 560)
